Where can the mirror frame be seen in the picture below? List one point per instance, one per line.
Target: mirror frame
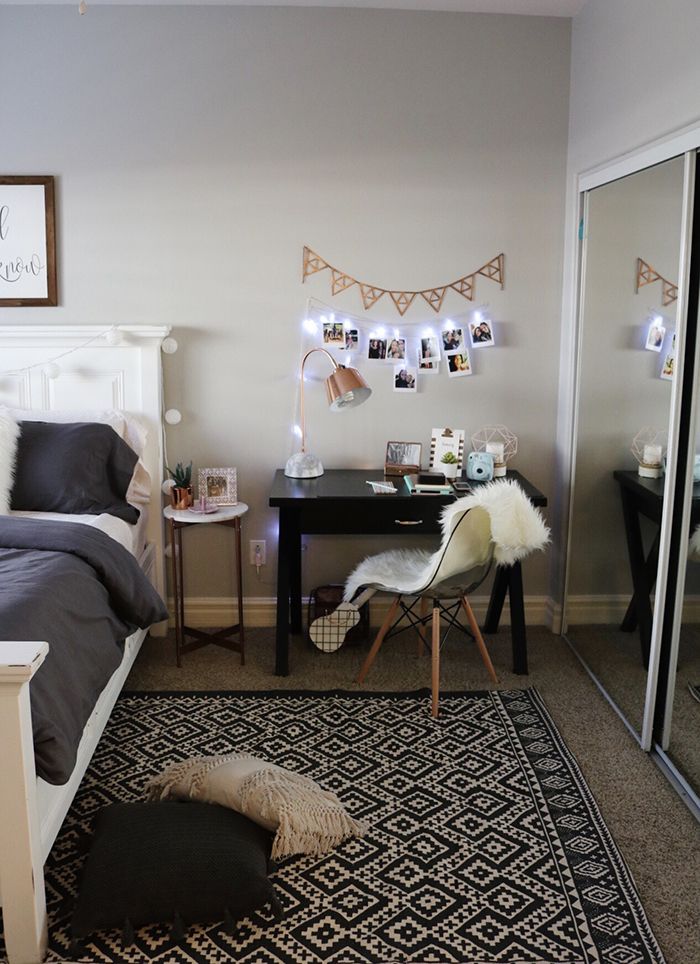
(686, 143)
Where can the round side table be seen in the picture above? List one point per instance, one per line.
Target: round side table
(179, 519)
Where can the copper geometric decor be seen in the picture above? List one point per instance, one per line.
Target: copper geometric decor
(647, 275)
(494, 270)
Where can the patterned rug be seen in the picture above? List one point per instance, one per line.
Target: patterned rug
(485, 844)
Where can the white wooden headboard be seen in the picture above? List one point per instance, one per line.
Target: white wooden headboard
(94, 375)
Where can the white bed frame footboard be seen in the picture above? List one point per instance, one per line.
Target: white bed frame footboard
(101, 375)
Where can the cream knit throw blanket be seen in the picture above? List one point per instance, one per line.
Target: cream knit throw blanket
(306, 818)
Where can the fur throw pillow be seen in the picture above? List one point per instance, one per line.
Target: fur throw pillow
(9, 435)
(306, 818)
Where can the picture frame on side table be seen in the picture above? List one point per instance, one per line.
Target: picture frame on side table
(219, 486)
(27, 242)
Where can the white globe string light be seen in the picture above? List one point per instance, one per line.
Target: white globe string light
(173, 416)
(169, 346)
(51, 370)
(113, 336)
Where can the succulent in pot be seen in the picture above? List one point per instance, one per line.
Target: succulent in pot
(181, 492)
(450, 465)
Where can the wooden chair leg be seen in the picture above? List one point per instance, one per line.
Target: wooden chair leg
(436, 659)
(422, 641)
(379, 640)
(479, 639)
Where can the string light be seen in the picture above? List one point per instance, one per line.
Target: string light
(173, 416)
(107, 334)
(51, 370)
(169, 346)
(310, 326)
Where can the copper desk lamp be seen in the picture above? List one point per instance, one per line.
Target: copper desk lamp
(345, 388)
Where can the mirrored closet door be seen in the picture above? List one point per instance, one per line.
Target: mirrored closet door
(632, 229)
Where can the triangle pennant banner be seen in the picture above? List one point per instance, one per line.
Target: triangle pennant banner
(434, 297)
(312, 263)
(465, 286)
(647, 275)
(494, 270)
(340, 281)
(402, 300)
(669, 292)
(370, 295)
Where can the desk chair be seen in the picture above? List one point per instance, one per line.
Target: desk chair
(497, 523)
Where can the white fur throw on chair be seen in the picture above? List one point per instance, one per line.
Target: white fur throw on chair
(517, 529)
(9, 436)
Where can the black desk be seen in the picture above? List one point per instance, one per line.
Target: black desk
(341, 503)
(644, 497)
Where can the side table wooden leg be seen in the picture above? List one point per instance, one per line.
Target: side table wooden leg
(239, 578)
(176, 593)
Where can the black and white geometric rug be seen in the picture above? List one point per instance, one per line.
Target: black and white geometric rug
(485, 844)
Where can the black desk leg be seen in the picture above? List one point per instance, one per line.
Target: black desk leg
(498, 597)
(517, 619)
(629, 623)
(640, 581)
(283, 587)
(295, 574)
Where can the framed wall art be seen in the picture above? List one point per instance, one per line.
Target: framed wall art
(27, 242)
(218, 486)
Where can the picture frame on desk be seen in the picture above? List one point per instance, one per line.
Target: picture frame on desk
(219, 485)
(402, 458)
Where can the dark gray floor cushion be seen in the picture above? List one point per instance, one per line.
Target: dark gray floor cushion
(172, 862)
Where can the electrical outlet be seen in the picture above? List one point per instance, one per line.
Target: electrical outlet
(258, 552)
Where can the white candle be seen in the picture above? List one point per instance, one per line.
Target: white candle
(652, 454)
(496, 449)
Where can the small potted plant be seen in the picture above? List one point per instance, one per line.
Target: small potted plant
(181, 492)
(450, 465)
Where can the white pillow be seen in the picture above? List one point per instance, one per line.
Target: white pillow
(9, 434)
(306, 818)
(127, 426)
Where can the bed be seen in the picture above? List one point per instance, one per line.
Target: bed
(100, 369)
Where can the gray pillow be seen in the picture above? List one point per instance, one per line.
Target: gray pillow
(79, 468)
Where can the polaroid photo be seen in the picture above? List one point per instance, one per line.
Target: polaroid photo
(452, 339)
(429, 349)
(668, 366)
(405, 378)
(333, 334)
(459, 364)
(352, 339)
(481, 334)
(396, 350)
(655, 337)
(428, 367)
(377, 349)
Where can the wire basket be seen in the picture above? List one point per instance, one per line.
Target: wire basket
(324, 600)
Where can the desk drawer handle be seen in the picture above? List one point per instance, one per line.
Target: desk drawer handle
(408, 522)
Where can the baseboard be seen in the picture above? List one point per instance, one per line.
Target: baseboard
(611, 609)
(210, 611)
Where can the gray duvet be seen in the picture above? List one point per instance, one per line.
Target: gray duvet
(83, 593)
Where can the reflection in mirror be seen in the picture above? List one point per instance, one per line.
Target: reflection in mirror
(684, 746)
(627, 318)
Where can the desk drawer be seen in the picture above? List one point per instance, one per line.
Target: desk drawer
(377, 516)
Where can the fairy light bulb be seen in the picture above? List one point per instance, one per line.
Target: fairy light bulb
(113, 336)
(173, 416)
(52, 370)
(167, 486)
(169, 346)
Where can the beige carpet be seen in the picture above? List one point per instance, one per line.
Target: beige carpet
(656, 833)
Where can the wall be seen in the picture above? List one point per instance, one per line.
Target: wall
(197, 149)
(627, 90)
